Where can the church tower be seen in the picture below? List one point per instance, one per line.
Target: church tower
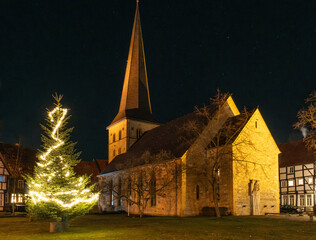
(134, 116)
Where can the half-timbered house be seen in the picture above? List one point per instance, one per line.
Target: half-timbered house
(15, 161)
(297, 176)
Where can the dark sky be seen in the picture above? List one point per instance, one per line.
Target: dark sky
(261, 51)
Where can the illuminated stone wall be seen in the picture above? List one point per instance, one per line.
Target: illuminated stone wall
(257, 153)
(128, 136)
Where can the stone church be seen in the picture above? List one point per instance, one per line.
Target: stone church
(247, 181)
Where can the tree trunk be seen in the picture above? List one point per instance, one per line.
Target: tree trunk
(215, 188)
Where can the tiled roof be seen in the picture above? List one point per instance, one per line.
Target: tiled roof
(90, 167)
(172, 137)
(26, 160)
(295, 153)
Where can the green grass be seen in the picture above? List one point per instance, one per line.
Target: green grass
(121, 227)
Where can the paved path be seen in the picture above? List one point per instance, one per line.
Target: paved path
(296, 217)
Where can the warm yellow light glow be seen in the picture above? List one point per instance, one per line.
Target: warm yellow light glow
(38, 197)
(59, 142)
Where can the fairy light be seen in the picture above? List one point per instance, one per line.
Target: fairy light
(85, 195)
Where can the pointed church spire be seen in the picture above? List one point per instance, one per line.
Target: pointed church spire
(135, 100)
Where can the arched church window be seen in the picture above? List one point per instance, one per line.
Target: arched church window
(114, 137)
(120, 135)
(119, 151)
(197, 192)
(138, 133)
(114, 153)
(119, 192)
(153, 190)
(111, 194)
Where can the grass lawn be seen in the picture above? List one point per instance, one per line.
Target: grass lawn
(121, 227)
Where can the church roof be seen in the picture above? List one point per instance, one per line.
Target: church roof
(135, 100)
(173, 137)
(295, 153)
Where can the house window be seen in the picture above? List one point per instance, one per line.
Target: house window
(2, 178)
(291, 170)
(292, 200)
(20, 184)
(285, 200)
(197, 192)
(309, 200)
(310, 180)
(300, 181)
(7, 198)
(153, 190)
(302, 200)
(20, 198)
(291, 183)
(13, 197)
(114, 137)
(120, 135)
(283, 183)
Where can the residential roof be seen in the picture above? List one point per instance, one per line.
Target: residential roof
(172, 137)
(90, 168)
(295, 153)
(25, 162)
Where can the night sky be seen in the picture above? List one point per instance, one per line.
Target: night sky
(263, 52)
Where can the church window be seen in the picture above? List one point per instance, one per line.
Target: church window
(114, 153)
(153, 190)
(138, 133)
(129, 188)
(111, 193)
(256, 124)
(114, 137)
(140, 187)
(120, 135)
(119, 151)
(119, 192)
(197, 192)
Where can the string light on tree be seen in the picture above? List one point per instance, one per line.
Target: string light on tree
(55, 191)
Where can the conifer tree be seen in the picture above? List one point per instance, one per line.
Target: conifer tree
(55, 191)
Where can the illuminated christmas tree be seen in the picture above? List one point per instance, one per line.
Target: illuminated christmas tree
(55, 191)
